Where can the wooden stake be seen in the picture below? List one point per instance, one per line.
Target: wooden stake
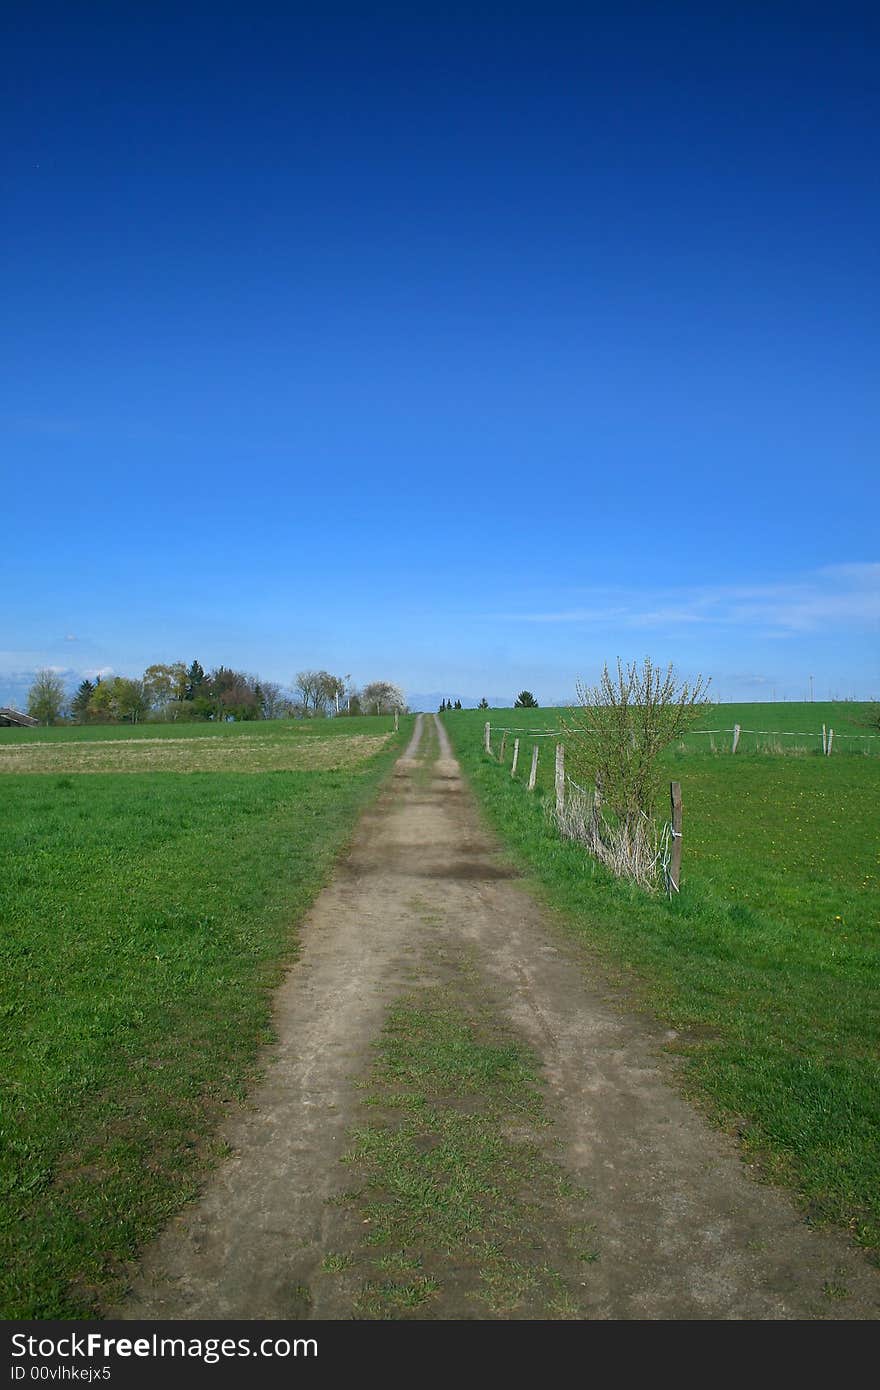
(486, 735)
(515, 757)
(675, 855)
(503, 745)
(830, 740)
(533, 771)
(560, 778)
(396, 721)
(824, 740)
(736, 732)
(597, 804)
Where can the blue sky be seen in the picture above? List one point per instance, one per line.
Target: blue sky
(467, 347)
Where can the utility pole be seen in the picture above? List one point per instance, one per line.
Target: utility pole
(811, 689)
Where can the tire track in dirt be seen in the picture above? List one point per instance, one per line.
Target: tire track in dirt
(682, 1229)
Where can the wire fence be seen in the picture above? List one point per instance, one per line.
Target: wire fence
(640, 852)
(643, 858)
(637, 849)
(819, 735)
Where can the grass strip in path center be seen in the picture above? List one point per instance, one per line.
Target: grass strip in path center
(460, 1209)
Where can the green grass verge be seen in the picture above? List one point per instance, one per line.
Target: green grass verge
(145, 919)
(461, 1209)
(767, 963)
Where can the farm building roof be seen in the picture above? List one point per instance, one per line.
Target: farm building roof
(16, 719)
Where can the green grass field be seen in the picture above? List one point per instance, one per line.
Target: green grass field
(276, 729)
(768, 962)
(145, 917)
(789, 727)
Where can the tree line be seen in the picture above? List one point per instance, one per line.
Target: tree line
(177, 692)
(524, 700)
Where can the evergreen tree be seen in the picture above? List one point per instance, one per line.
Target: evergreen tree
(195, 677)
(525, 700)
(484, 703)
(79, 705)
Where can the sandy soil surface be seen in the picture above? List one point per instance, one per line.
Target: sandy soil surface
(682, 1229)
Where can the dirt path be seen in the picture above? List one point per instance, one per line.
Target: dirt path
(682, 1230)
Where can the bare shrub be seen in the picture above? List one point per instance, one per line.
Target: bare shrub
(616, 735)
(635, 849)
(622, 727)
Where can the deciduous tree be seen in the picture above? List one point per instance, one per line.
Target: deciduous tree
(381, 697)
(119, 700)
(332, 689)
(232, 694)
(46, 697)
(308, 686)
(132, 699)
(273, 700)
(165, 684)
(622, 726)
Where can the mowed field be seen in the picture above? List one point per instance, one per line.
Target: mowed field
(768, 964)
(146, 911)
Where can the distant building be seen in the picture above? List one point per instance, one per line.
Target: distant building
(13, 719)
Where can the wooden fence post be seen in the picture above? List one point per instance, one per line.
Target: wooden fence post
(533, 772)
(503, 744)
(830, 740)
(824, 740)
(396, 721)
(675, 854)
(486, 736)
(515, 757)
(560, 778)
(736, 733)
(597, 804)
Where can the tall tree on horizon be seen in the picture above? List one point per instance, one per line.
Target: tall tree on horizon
(79, 705)
(195, 677)
(46, 696)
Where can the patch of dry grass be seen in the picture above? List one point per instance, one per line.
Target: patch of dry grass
(192, 755)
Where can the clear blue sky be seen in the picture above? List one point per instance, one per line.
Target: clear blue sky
(463, 346)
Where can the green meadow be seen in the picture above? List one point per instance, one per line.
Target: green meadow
(145, 916)
(767, 963)
(279, 730)
(788, 727)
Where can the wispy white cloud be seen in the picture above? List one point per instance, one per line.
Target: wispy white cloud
(16, 680)
(841, 595)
